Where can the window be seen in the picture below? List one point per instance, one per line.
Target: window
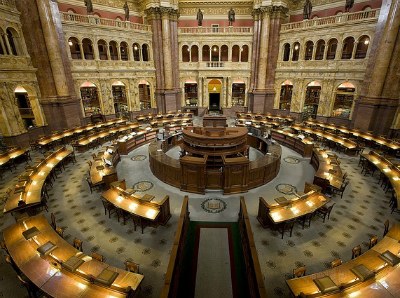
(309, 50)
(343, 100)
(319, 55)
(348, 45)
(332, 46)
(286, 52)
(185, 54)
(194, 53)
(362, 47)
(296, 51)
(136, 52)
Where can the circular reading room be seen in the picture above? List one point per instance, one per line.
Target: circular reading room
(182, 149)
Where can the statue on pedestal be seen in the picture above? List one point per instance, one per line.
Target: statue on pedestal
(199, 18)
(231, 16)
(126, 9)
(89, 6)
(349, 5)
(307, 10)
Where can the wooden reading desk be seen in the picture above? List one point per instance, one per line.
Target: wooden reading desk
(103, 166)
(327, 166)
(8, 157)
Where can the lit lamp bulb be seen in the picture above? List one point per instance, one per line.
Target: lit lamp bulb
(296, 47)
(70, 43)
(366, 41)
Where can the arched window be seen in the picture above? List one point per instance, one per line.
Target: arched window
(309, 50)
(113, 50)
(362, 47)
(319, 54)
(3, 51)
(244, 57)
(185, 53)
(102, 45)
(24, 107)
(74, 48)
(215, 53)
(124, 51)
(87, 49)
(286, 52)
(224, 53)
(311, 101)
(194, 53)
(343, 100)
(332, 46)
(11, 35)
(348, 45)
(145, 52)
(235, 53)
(296, 51)
(136, 52)
(206, 53)
(285, 98)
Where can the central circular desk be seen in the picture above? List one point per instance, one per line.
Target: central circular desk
(215, 158)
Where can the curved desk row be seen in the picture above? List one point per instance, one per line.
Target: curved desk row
(391, 171)
(279, 118)
(59, 269)
(368, 137)
(160, 117)
(375, 266)
(135, 139)
(8, 157)
(28, 191)
(102, 170)
(303, 146)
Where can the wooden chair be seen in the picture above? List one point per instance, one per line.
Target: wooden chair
(341, 190)
(60, 231)
(53, 221)
(336, 262)
(306, 219)
(356, 252)
(98, 257)
(372, 241)
(386, 230)
(286, 226)
(299, 272)
(110, 208)
(131, 266)
(323, 212)
(3, 246)
(78, 244)
(93, 186)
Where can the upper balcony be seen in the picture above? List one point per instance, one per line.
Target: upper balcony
(72, 18)
(346, 18)
(9, 3)
(216, 30)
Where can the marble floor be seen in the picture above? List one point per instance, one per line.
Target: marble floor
(358, 215)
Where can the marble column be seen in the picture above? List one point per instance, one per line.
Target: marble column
(264, 40)
(82, 51)
(166, 45)
(3, 45)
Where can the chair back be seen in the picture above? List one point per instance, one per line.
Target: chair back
(98, 257)
(373, 241)
(336, 263)
(78, 244)
(356, 251)
(53, 221)
(386, 224)
(131, 266)
(299, 272)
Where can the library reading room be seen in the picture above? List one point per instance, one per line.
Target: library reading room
(200, 149)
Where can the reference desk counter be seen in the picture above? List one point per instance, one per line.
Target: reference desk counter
(59, 269)
(28, 191)
(303, 146)
(130, 141)
(346, 278)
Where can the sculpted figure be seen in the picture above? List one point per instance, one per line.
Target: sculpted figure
(349, 5)
(126, 9)
(307, 10)
(89, 6)
(231, 16)
(199, 18)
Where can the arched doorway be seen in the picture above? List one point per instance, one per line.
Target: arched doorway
(238, 93)
(144, 95)
(214, 91)
(191, 95)
(311, 101)
(24, 107)
(344, 99)
(285, 98)
(120, 101)
(90, 99)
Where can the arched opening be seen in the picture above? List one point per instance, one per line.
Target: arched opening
(124, 51)
(113, 50)
(145, 52)
(311, 101)
(102, 46)
(309, 50)
(194, 53)
(285, 98)
(90, 99)
(74, 48)
(224, 53)
(215, 53)
(87, 49)
(348, 45)
(286, 52)
(319, 54)
(185, 54)
(238, 93)
(244, 57)
(205, 53)
(235, 53)
(344, 100)
(24, 107)
(3, 51)
(144, 95)
(332, 47)
(136, 52)
(362, 47)
(191, 96)
(12, 40)
(120, 100)
(214, 91)
(296, 51)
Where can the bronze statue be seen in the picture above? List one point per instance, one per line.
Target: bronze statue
(89, 6)
(349, 5)
(126, 9)
(231, 16)
(307, 10)
(199, 18)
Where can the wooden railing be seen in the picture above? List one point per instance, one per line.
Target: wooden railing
(89, 19)
(215, 30)
(253, 270)
(328, 21)
(10, 3)
(171, 282)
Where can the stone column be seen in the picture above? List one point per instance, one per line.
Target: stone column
(2, 44)
(264, 40)
(108, 52)
(96, 51)
(353, 53)
(82, 51)
(130, 52)
(166, 45)
(8, 50)
(119, 52)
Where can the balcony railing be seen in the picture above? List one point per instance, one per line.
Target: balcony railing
(215, 30)
(215, 64)
(329, 21)
(88, 19)
(10, 3)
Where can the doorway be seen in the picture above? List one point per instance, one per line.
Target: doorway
(214, 101)
(214, 91)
